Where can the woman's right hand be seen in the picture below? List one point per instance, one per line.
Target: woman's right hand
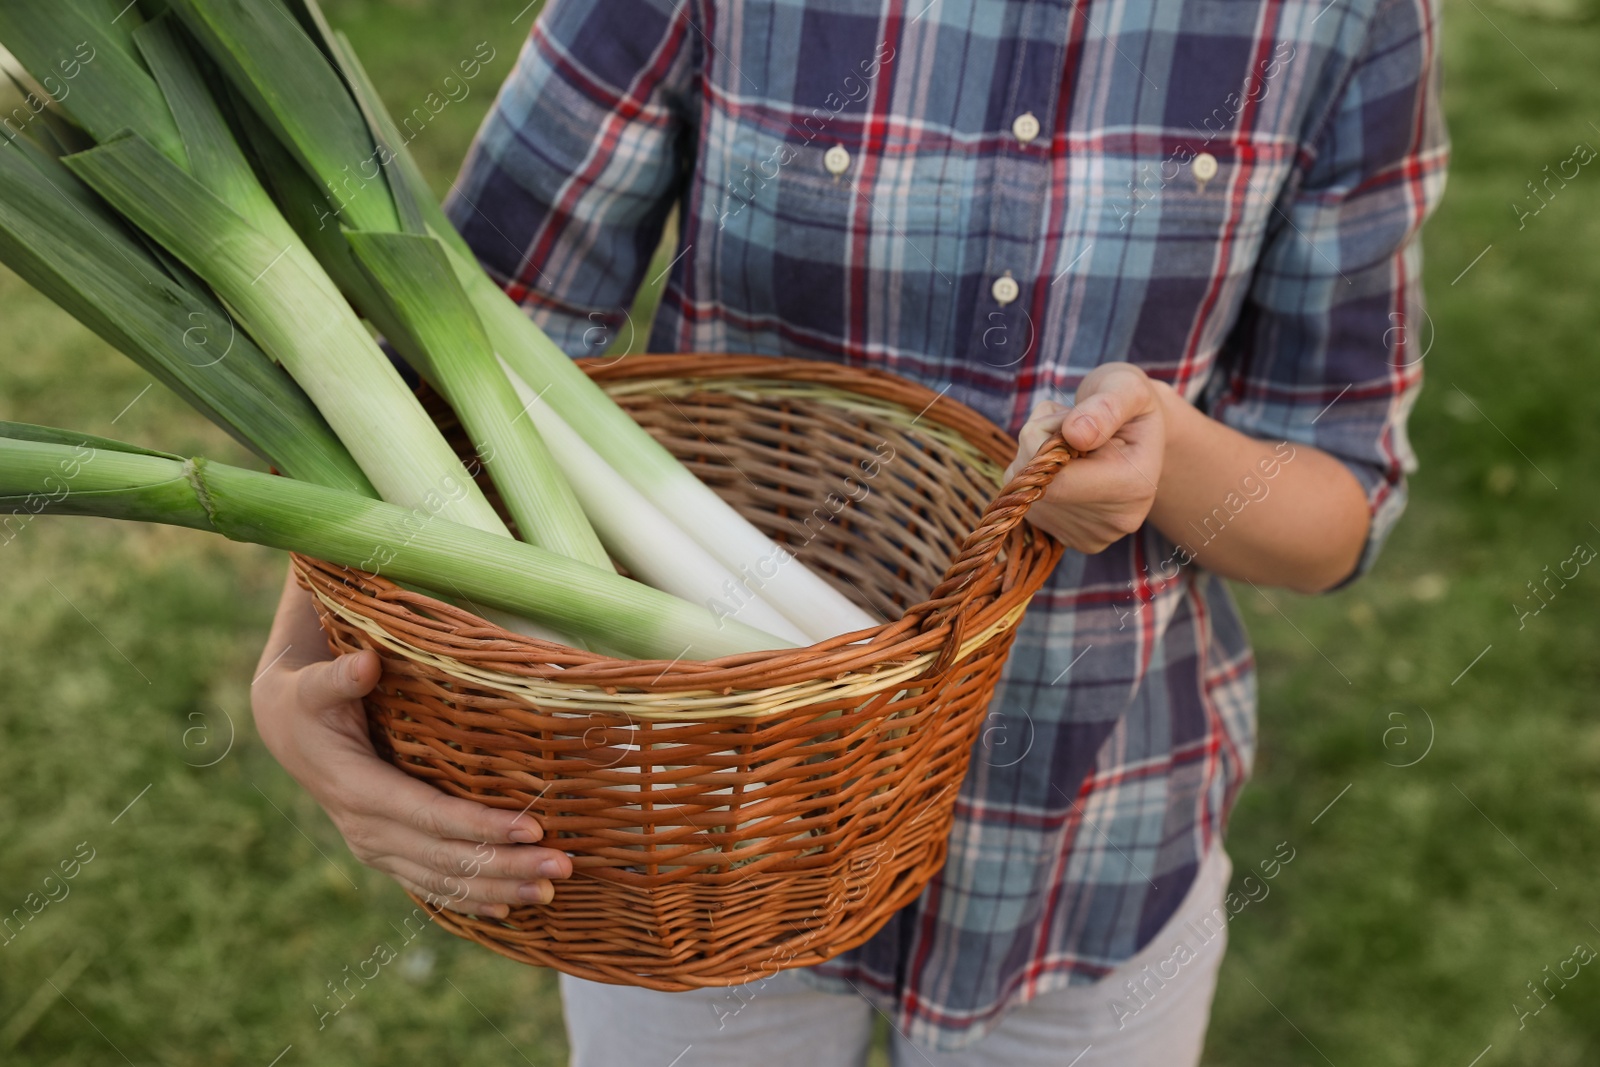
(452, 852)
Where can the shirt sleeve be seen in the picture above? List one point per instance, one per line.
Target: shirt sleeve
(1328, 348)
(569, 182)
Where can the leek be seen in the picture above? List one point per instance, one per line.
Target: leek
(43, 471)
(199, 200)
(166, 157)
(406, 286)
(286, 78)
(111, 91)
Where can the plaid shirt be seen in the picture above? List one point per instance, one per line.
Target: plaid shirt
(991, 197)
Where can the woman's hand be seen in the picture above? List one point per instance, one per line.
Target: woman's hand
(1105, 495)
(1266, 512)
(461, 855)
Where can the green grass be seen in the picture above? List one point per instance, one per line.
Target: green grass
(1410, 922)
(218, 907)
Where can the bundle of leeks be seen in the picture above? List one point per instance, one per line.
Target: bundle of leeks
(223, 197)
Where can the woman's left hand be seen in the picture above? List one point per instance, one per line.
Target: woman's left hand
(1119, 422)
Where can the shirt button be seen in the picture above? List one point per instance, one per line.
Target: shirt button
(1205, 167)
(1025, 127)
(1005, 289)
(837, 160)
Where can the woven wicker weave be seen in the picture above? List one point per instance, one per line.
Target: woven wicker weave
(734, 817)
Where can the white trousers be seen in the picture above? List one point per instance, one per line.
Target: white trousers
(1151, 1011)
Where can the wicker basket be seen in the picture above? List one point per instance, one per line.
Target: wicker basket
(730, 818)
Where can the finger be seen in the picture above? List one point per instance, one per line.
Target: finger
(1089, 537)
(1044, 422)
(453, 889)
(473, 859)
(332, 683)
(1047, 407)
(1106, 477)
(367, 785)
(297, 637)
(462, 907)
(437, 815)
(1035, 433)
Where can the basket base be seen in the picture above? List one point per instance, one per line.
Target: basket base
(602, 924)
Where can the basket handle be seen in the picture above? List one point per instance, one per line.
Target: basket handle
(952, 600)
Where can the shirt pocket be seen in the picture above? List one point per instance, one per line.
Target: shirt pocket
(812, 230)
(1188, 221)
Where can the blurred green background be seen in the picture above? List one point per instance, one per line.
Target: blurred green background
(218, 907)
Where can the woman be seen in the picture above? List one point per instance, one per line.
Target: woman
(1182, 232)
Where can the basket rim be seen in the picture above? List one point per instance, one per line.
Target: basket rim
(931, 404)
(975, 599)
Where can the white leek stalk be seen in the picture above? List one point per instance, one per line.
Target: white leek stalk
(653, 548)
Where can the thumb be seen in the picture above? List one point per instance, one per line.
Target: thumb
(338, 681)
(1094, 422)
(1111, 396)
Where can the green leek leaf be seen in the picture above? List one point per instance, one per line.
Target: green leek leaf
(27, 431)
(269, 57)
(412, 197)
(111, 89)
(215, 159)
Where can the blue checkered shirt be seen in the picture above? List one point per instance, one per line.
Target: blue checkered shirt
(991, 197)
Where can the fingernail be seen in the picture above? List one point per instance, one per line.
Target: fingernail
(550, 868)
(496, 911)
(524, 832)
(533, 893)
